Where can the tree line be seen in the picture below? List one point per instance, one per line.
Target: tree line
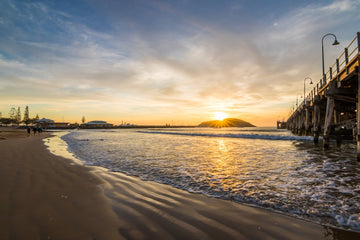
(15, 117)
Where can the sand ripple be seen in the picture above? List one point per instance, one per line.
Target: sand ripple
(151, 210)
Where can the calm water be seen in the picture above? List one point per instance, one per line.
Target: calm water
(265, 167)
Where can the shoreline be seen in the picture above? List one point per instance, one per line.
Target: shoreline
(49, 196)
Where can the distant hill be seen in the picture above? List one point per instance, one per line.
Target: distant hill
(228, 122)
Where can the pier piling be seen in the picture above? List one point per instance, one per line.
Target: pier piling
(358, 101)
(307, 120)
(316, 122)
(328, 121)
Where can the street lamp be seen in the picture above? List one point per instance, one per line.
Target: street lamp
(322, 51)
(304, 86)
(297, 100)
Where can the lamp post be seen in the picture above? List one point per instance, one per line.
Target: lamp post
(322, 51)
(297, 100)
(304, 86)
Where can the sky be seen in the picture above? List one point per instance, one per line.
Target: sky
(166, 62)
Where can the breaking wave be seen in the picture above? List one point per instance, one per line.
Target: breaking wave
(231, 135)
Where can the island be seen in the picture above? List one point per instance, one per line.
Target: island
(227, 122)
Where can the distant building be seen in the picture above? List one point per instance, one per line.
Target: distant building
(281, 125)
(44, 122)
(96, 124)
(126, 125)
(60, 125)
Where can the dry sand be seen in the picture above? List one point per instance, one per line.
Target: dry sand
(43, 196)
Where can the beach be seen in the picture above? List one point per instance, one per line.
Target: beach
(43, 196)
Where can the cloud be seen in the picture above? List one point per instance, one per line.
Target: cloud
(194, 66)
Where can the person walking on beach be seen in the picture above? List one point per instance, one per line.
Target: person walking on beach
(34, 130)
(28, 131)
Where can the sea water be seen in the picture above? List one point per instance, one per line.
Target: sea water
(263, 167)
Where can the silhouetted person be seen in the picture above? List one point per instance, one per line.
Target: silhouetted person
(28, 131)
(34, 130)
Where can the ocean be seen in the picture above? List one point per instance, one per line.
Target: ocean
(263, 167)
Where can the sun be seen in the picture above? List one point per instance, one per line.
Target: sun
(220, 116)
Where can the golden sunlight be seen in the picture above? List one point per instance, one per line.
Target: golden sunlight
(220, 116)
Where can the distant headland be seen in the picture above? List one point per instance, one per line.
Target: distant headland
(227, 122)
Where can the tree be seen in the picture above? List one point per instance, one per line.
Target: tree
(83, 119)
(18, 116)
(5, 120)
(26, 119)
(33, 120)
(12, 114)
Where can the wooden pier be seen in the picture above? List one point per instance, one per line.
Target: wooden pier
(331, 109)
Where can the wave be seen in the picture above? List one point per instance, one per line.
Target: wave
(231, 135)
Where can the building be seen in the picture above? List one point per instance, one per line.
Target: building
(96, 124)
(44, 122)
(60, 125)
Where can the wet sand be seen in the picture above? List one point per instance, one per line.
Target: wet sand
(43, 196)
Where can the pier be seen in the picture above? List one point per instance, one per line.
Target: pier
(331, 108)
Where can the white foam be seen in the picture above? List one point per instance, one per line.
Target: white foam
(229, 135)
(59, 147)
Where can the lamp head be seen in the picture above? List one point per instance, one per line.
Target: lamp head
(309, 79)
(336, 42)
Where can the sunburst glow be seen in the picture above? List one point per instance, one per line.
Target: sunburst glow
(220, 116)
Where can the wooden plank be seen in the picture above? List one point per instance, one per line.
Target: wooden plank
(343, 98)
(333, 90)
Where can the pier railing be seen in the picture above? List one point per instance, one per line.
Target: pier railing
(348, 55)
(344, 65)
